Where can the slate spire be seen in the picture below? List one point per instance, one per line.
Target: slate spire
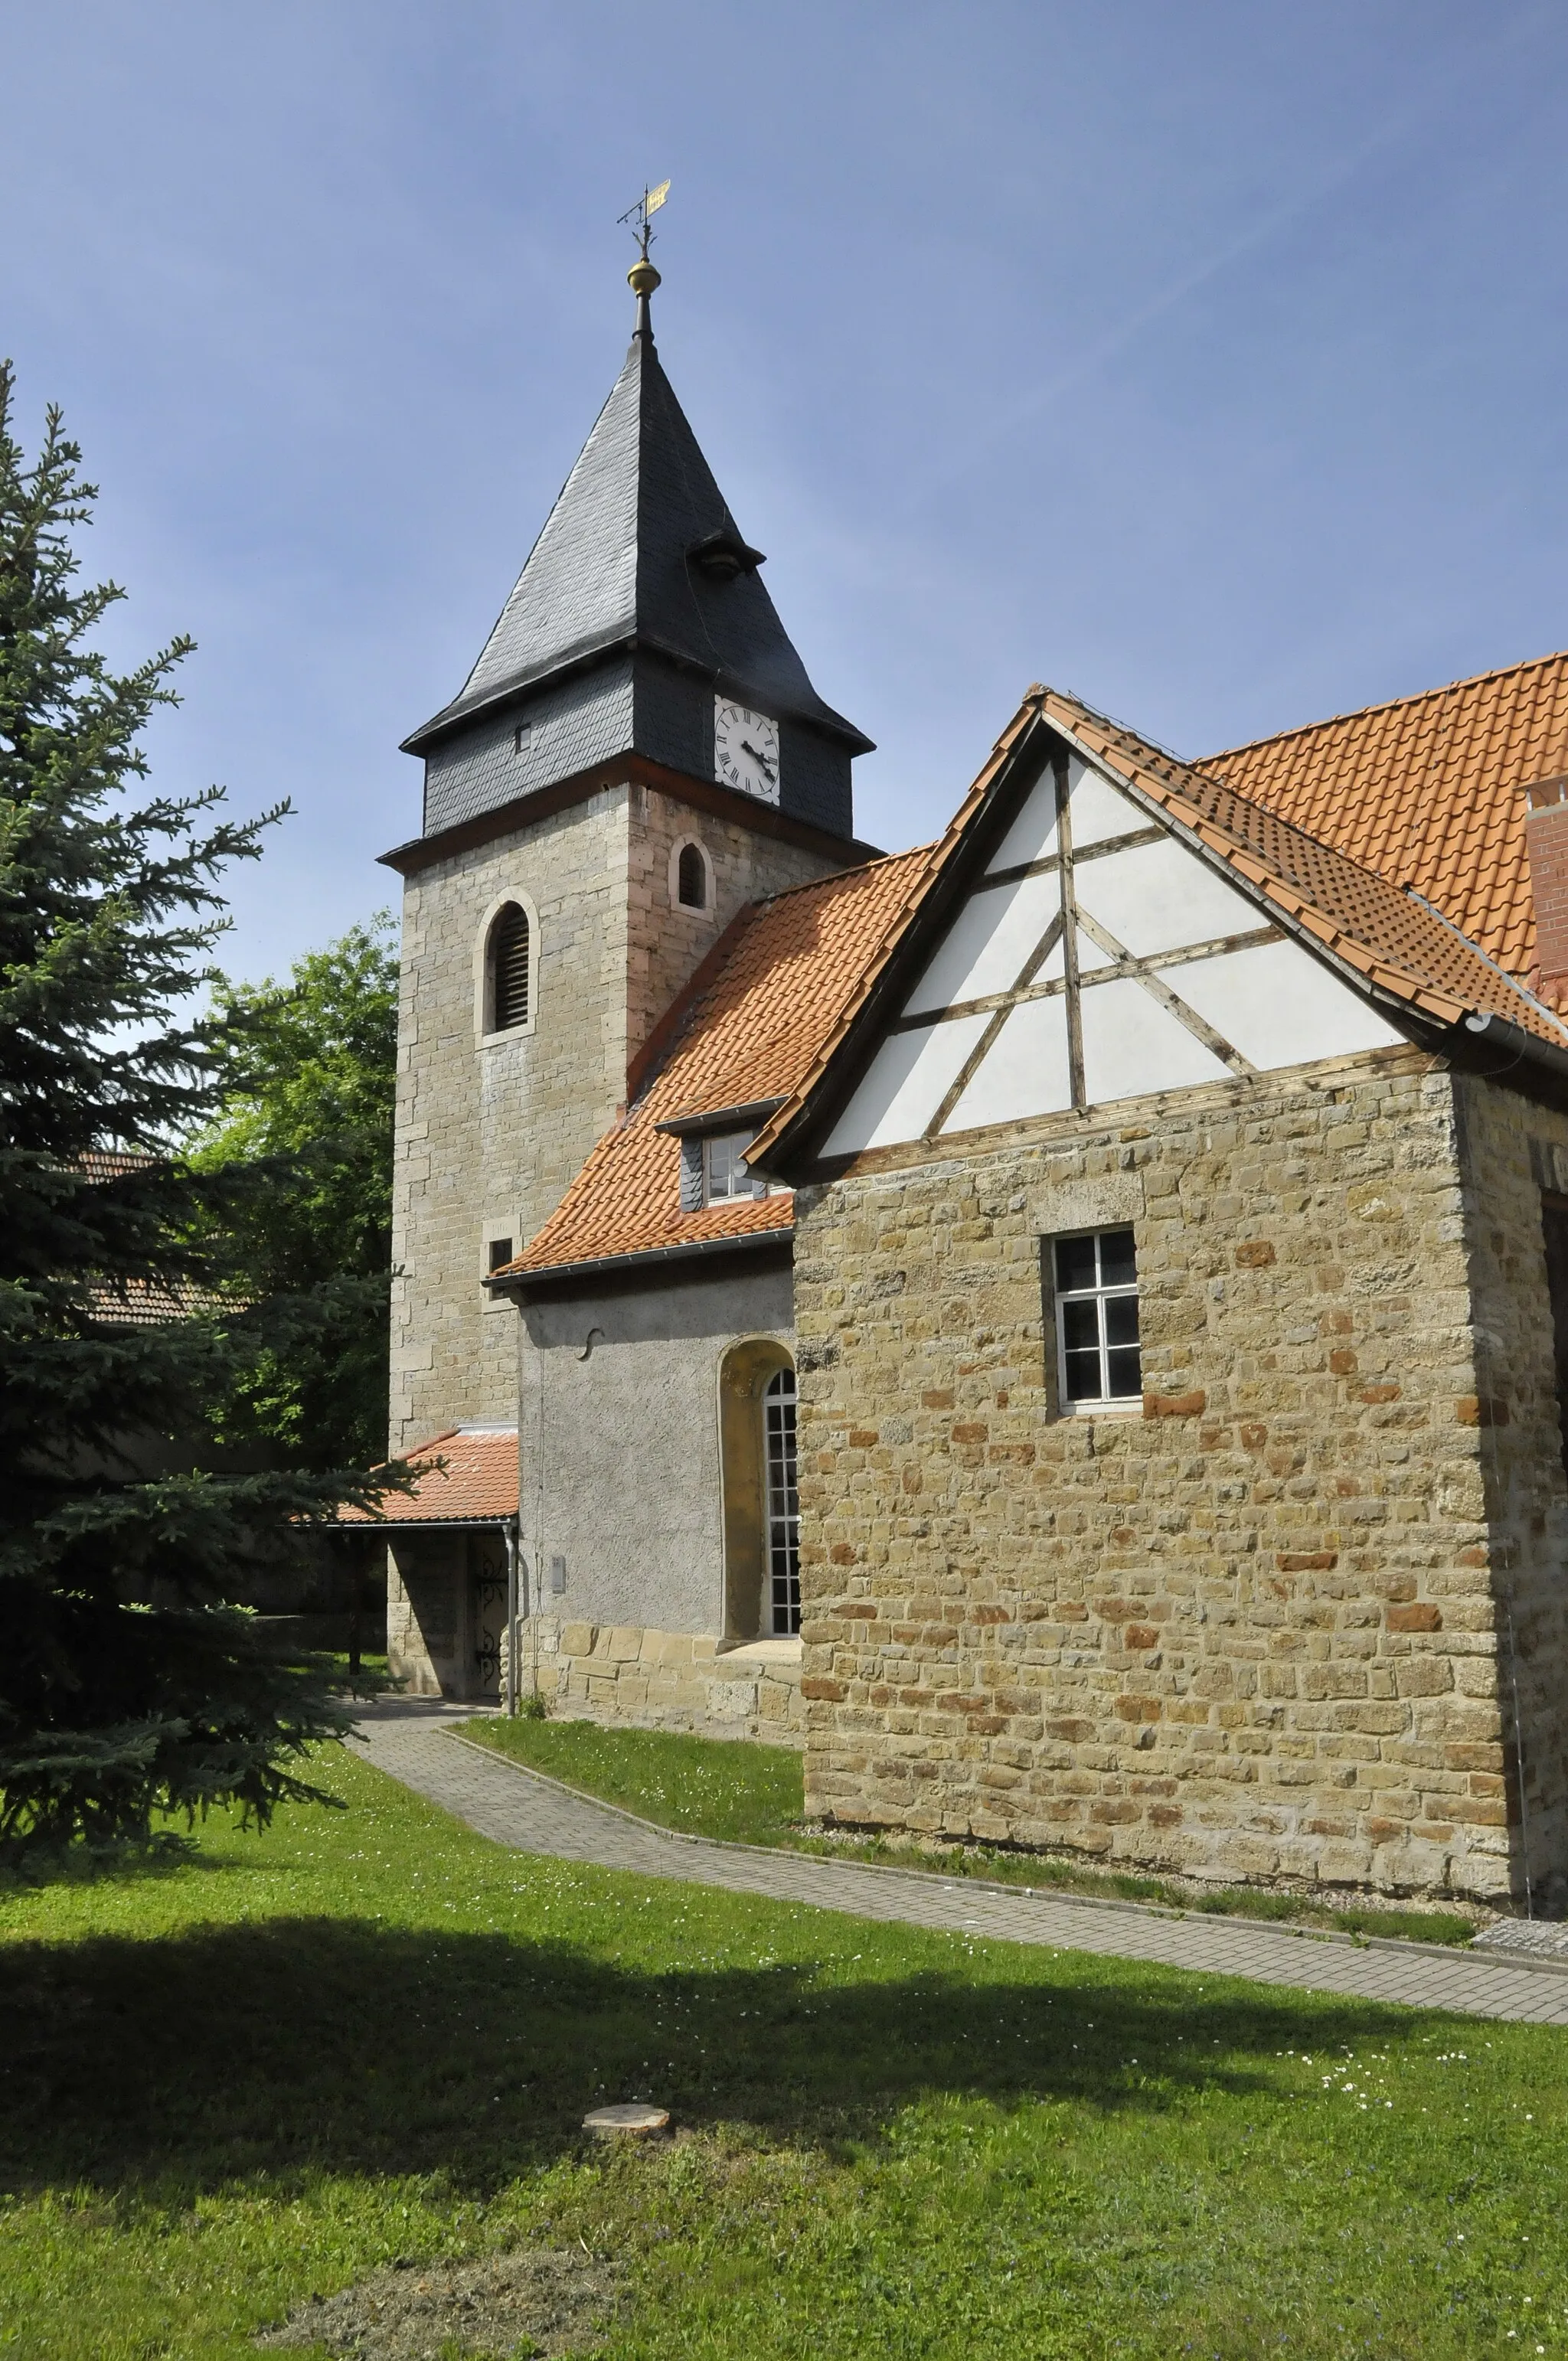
(640, 604)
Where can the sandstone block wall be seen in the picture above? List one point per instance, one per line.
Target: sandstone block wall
(664, 1680)
(1512, 1151)
(488, 1133)
(1252, 1631)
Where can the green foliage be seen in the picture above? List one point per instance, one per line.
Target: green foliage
(126, 1681)
(309, 1093)
(374, 2036)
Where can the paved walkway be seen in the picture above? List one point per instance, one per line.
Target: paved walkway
(513, 1806)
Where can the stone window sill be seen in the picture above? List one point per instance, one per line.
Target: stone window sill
(768, 1652)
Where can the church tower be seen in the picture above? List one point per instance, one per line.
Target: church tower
(637, 754)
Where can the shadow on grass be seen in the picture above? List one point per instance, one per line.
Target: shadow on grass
(274, 2050)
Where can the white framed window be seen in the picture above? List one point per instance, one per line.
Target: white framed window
(1099, 1359)
(783, 1504)
(714, 1170)
(725, 1173)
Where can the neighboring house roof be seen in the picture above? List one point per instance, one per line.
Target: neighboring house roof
(1428, 791)
(477, 1485)
(745, 1032)
(613, 567)
(149, 1303)
(1388, 940)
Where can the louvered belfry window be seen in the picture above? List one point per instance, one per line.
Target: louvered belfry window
(509, 969)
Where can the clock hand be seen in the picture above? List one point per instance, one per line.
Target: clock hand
(760, 760)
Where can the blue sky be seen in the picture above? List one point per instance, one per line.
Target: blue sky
(1203, 359)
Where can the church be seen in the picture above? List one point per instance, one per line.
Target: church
(1067, 1325)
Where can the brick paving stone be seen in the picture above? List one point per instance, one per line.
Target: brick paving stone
(414, 1744)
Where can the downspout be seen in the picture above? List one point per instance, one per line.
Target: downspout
(512, 1551)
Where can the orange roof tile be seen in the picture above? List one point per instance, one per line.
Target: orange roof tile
(477, 1485)
(748, 1032)
(1428, 791)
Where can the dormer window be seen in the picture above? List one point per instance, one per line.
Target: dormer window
(714, 1170)
(724, 1172)
(722, 556)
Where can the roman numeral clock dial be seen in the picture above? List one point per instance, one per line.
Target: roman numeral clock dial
(746, 749)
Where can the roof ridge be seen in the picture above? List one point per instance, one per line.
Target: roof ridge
(839, 876)
(1381, 705)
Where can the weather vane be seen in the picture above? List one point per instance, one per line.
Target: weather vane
(644, 276)
(640, 215)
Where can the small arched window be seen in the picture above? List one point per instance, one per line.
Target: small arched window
(691, 878)
(507, 962)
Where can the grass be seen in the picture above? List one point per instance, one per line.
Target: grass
(370, 2035)
(752, 1795)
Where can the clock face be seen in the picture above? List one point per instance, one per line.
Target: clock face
(746, 749)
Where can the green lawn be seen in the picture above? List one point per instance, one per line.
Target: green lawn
(752, 1795)
(371, 2036)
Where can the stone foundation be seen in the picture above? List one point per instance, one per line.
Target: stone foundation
(663, 1680)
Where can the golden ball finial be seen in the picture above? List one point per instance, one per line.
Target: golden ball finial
(642, 277)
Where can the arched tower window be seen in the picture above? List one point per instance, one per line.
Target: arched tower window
(691, 878)
(507, 977)
(784, 1503)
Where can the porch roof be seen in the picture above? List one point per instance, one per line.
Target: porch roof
(472, 1479)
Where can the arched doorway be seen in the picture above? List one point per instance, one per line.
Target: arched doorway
(761, 1503)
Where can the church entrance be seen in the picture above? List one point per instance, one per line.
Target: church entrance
(486, 1614)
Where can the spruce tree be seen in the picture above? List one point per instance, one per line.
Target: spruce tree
(128, 1685)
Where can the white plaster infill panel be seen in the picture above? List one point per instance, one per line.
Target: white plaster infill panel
(906, 1082)
(985, 949)
(1097, 809)
(1279, 1007)
(1133, 1045)
(1033, 835)
(1024, 1072)
(1159, 897)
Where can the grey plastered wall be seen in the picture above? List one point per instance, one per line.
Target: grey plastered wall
(620, 1455)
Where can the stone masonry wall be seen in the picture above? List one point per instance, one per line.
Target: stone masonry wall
(665, 1680)
(1248, 1632)
(1510, 1151)
(488, 1135)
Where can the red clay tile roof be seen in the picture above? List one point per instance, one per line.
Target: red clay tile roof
(1428, 791)
(477, 1485)
(1335, 821)
(749, 1032)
